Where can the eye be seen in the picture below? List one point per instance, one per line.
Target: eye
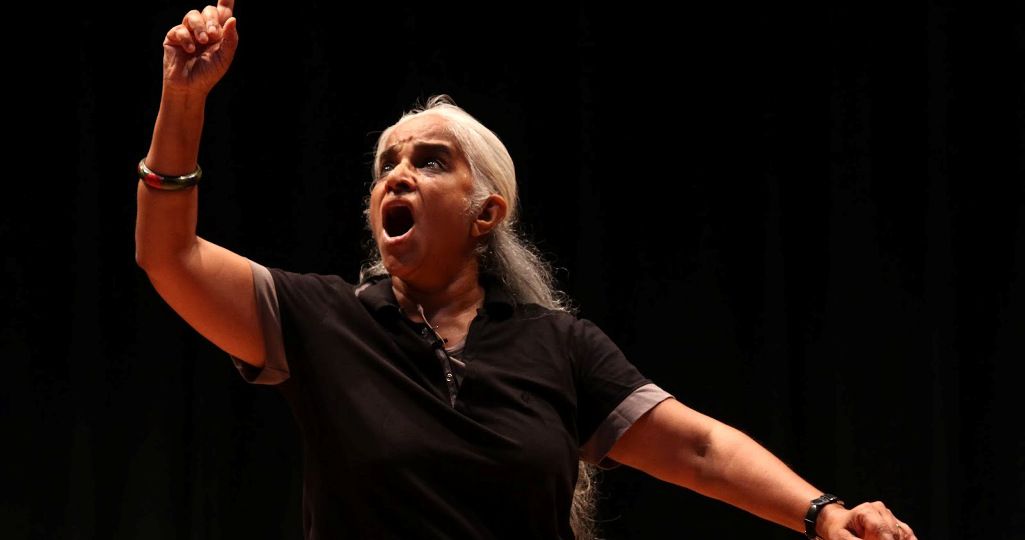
(433, 163)
(438, 164)
(385, 167)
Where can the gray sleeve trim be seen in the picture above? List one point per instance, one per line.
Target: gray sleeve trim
(617, 422)
(276, 369)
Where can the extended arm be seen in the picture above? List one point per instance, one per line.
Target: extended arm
(208, 285)
(677, 444)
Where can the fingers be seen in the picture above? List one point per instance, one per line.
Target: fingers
(883, 522)
(225, 9)
(876, 521)
(901, 530)
(230, 41)
(905, 531)
(843, 534)
(213, 23)
(205, 26)
(180, 36)
(873, 521)
(199, 29)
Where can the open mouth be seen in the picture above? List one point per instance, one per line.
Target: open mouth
(398, 219)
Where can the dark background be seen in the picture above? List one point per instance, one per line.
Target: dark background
(808, 223)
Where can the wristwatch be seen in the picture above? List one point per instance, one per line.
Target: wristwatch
(813, 513)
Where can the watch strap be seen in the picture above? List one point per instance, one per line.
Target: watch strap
(812, 516)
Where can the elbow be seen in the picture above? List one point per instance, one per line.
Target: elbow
(711, 454)
(142, 251)
(702, 447)
(138, 258)
(143, 257)
(145, 263)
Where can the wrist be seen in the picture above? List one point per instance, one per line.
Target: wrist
(821, 511)
(829, 514)
(178, 97)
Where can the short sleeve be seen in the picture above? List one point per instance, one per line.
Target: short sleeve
(611, 392)
(275, 371)
(635, 405)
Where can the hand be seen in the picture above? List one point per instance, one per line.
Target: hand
(868, 521)
(198, 51)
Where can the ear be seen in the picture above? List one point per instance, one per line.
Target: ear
(491, 214)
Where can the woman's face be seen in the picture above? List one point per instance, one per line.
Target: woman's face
(418, 203)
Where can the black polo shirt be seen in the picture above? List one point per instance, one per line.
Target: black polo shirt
(387, 451)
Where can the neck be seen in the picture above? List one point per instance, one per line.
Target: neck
(448, 298)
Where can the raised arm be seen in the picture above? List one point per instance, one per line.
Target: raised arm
(209, 286)
(677, 444)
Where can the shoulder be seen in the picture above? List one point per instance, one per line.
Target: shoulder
(309, 277)
(578, 334)
(311, 287)
(535, 314)
(570, 324)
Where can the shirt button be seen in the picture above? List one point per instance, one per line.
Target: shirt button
(448, 377)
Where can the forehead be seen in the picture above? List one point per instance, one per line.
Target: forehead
(428, 128)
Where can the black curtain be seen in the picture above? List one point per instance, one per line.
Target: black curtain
(806, 222)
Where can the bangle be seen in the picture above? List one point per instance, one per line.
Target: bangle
(168, 183)
(813, 513)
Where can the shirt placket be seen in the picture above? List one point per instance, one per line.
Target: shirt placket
(437, 344)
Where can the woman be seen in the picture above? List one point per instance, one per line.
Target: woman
(451, 393)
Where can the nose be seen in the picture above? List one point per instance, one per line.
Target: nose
(400, 179)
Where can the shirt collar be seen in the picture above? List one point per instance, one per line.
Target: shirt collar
(377, 295)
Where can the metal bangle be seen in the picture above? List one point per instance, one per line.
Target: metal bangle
(168, 183)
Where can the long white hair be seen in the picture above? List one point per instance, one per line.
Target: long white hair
(504, 251)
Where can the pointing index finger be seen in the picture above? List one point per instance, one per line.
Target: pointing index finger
(225, 8)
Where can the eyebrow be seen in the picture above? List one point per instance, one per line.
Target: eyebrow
(440, 148)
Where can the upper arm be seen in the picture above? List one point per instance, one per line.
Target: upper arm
(212, 288)
(668, 442)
